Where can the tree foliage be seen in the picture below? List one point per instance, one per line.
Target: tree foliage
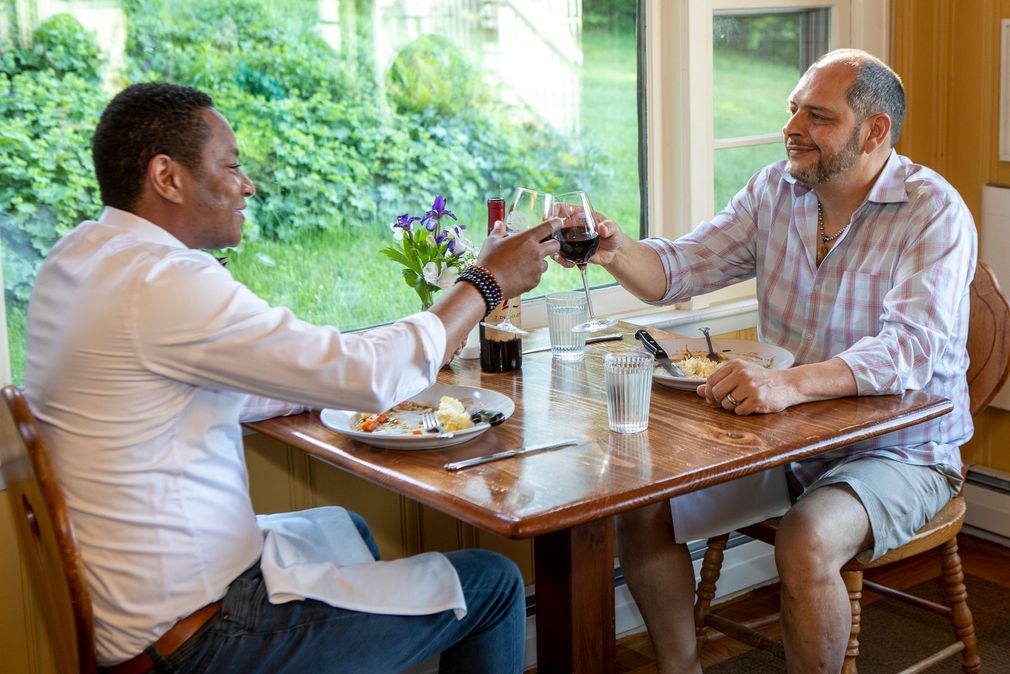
(326, 147)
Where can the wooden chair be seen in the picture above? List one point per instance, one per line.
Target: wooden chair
(989, 351)
(46, 538)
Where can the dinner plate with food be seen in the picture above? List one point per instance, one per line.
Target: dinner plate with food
(691, 356)
(461, 413)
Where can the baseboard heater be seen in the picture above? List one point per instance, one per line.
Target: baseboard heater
(987, 492)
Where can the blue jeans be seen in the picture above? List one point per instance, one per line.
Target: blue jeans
(251, 635)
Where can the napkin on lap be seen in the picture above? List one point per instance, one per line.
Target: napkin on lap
(319, 554)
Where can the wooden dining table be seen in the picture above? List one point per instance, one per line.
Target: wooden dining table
(566, 499)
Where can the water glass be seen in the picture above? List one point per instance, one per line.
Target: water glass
(629, 390)
(564, 312)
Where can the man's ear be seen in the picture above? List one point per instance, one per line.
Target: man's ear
(163, 176)
(879, 132)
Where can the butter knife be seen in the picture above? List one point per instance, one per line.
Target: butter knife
(653, 347)
(526, 449)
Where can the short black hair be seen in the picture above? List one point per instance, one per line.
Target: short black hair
(141, 122)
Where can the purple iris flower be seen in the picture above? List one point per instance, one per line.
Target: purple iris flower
(404, 221)
(442, 236)
(437, 212)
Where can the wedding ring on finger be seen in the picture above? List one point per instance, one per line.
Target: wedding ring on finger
(732, 401)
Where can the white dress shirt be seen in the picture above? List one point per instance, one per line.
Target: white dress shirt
(142, 358)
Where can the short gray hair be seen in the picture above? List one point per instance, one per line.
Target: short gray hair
(876, 89)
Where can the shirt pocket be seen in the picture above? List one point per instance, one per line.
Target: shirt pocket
(858, 306)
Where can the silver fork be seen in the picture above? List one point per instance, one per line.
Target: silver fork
(429, 422)
(712, 355)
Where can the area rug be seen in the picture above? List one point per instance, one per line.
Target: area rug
(895, 635)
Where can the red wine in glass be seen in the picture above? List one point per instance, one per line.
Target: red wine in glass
(577, 245)
(579, 240)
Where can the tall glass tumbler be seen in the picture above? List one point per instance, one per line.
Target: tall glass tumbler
(629, 390)
(564, 312)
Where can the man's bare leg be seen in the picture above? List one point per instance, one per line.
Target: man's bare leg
(818, 535)
(660, 576)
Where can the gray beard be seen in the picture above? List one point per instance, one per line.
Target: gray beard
(828, 166)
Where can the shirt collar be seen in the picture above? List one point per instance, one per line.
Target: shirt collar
(139, 227)
(888, 188)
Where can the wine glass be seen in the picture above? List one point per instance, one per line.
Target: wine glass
(526, 208)
(579, 240)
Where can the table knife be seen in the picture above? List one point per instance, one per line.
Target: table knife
(653, 347)
(527, 449)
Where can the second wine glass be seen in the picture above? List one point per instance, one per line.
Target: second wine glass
(579, 240)
(526, 208)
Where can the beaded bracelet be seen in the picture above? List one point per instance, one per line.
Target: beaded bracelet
(485, 282)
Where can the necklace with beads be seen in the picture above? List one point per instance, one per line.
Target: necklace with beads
(822, 250)
(820, 226)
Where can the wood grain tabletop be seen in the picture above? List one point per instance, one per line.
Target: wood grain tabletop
(688, 445)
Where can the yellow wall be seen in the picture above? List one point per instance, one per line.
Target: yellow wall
(947, 52)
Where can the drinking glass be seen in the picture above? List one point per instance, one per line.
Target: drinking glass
(527, 208)
(628, 378)
(565, 310)
(579, 240)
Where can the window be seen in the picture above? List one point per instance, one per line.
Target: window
(708, 148)
(347, 112)
(350, 112)
(757, 58)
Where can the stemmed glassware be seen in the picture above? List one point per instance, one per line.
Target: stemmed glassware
(526, 208)
(579, 240)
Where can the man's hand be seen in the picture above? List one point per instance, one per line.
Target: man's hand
(518, 260)
(743, 387)
(611, 240)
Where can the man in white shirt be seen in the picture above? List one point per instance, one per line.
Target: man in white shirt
(144, 355)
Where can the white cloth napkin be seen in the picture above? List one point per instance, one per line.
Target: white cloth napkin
(724, 507)
(319, 554)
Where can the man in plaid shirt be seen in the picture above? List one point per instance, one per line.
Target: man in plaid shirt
(863, 262)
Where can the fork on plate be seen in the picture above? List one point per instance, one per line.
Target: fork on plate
(712, 355)
(429, 422)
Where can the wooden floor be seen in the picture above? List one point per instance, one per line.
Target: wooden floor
(978, 557)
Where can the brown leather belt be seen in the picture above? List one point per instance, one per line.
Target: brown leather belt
(169, 642)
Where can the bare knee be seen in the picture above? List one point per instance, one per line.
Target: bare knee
(806, 549)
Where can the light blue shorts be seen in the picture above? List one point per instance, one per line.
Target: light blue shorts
(898, 497)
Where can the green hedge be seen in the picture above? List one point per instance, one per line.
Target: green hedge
(50, 99)
(327, 148)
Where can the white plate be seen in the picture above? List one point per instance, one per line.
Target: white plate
(471, 397)
(774, 357)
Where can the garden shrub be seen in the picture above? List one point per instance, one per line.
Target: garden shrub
(326, 152)
(50, 100)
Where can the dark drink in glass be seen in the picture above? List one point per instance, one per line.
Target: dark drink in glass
(577, 245)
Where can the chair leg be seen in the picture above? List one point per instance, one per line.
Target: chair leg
(854, 585)
(711, 567)
(957, 597)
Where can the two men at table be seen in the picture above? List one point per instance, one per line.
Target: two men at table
(863, 262)
(144, 355)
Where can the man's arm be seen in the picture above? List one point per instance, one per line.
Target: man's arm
(636, 266)
(758, 390)
(516, 262)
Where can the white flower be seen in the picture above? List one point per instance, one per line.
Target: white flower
(443, 279)
(447, 278)
(398, 234)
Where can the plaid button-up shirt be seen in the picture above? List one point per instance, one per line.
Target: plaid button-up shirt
(890, 299)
